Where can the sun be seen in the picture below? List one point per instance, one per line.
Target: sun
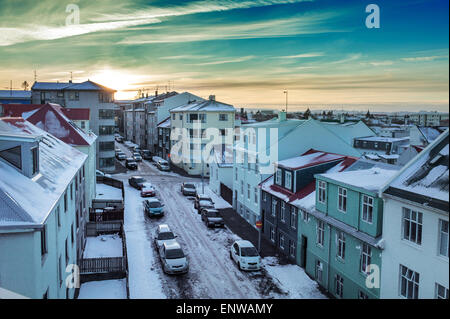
(123, 82)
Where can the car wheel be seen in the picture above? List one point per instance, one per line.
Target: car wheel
(231, 256)
(239, 265)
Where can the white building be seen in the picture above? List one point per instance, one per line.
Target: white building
(415, 227)
(40, 178)
(194, 119)
(428, 118)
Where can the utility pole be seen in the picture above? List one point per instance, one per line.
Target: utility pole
(286, 92)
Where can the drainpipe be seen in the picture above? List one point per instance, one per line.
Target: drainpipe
(329, 259)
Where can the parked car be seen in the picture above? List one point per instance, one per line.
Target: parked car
(137, 157)
(188, 189)
(146, 154)
(118, 150)
(153, 207)
(164, 235)
(121, 156)
(173, 259)
(136, 182)
(100, 173)
(200, 197)
(204, 204)
(131, 163)
(163, 165)
(147, 190)
(212, 218)
(245, 255)
(119, 139)
(136, 149)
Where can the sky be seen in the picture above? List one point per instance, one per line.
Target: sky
(247, 53)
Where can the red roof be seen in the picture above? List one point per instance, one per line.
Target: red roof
(18, 110)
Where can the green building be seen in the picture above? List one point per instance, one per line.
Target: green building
(340, 230)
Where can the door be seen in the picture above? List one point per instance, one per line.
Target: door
(303, 252)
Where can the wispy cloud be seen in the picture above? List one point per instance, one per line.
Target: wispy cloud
(425, 58)
(184, 57)
(237, 60)
(303, 55)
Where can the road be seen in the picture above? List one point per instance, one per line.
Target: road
(212, 274)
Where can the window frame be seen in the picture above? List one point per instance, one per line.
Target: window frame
(408, 226)
(322, 188)
(342, 193)
(288, 179)
(367, 216)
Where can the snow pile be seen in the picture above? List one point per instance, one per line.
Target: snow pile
(103, 246)
(108, 192)
(105, 289)
(292, 279)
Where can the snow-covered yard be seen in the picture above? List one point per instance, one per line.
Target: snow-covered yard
(103, 246)
(105, 289)
(108, 192)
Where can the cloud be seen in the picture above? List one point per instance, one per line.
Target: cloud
(425, 58)
(303, 55)
(381, 63)
(237, 60)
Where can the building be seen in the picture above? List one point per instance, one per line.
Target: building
(39, 190)
(423, 135)
(221, 172)
(88, 95)
(163, 148)
(14, 96)
(189, 136)
(279, 139)
(428, 118)
(415, 227)
(293, 181)
(52, 119)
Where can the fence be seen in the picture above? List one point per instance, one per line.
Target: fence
(111, 182)
(107, 227)
(103, 265)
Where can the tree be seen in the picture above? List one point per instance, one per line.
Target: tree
(25, 85)
(368, 116)
(307, 114)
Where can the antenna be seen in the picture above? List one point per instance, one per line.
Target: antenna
(35, 76)
(71, 76)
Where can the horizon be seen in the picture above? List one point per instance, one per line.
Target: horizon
(247, 53)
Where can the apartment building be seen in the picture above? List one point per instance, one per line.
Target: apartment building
(194, 119)
(428, 118)
(415, 228)
(88, 95)
(39, 192)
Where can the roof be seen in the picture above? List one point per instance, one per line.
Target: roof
(165, 123)
(311, 158)
(76, 114)
(84, 86)
(25, 201)
(244, 243)
(18, 94)
(382, 139)
(429, 133)
(52, 118)
(204, 106)
(18, 110)
(425, 179)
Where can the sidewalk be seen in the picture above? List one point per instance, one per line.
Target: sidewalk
(238, 225)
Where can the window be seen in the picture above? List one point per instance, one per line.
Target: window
(248, 191)
(83, 124)
(44, 240)
(60, 271)
(320, 232)
(288, 180)
(71, 233)
(222, 132)
(106, 130)
(283, 212)
(65, 202)
(106, 146)
(35, 156)
(236, 174)
(292, 248)
(256, 195)
(242, 188)
(104, 97)
(441, 292)
(67, 252)
(366, 257)
(274, 207)
(71, 191)
(281, 241)
(13, 156)
(362, 295)
(106, 162)
(342, 199)
(58, 216)
(367, 209)
(322, 192)
(106, 114)
(60, 94)
(305, 216)
(264, 196)
(409, 283)
(339, 286)
(293, 218)
(223, 117)
(341, 245)
(74, 96)
(278, 177)
(443, 237)
(412, 226)
(173, 116)
(319, 270)
(181, 117)
(272, 234)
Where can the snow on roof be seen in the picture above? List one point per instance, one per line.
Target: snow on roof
(311, 159)
(428, 174)
(36, 197)
(430, 133)
(374, 157)
(372, 179)
(382, 139)
(389, 156)
(84, 86)
(205, 106)
(15, 94)
(165, 123)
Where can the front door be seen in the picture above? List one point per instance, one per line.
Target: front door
(303, 253)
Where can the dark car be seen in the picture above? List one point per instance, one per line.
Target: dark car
(204, 204)
(212, 218)
(200, 197)
(146, 154)
(119, 139)
(121, 156)
(153, 207)
(136, 182)
(188, 189)
(131, 163)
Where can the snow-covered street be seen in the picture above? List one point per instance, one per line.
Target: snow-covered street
(212, 274)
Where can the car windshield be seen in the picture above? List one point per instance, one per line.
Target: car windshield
(139, 180)
(154, 204)
(166, 236)
(249, 252)
(189, 186)
(205, 203)
(146, 152)
(212, 214)
(174, 254)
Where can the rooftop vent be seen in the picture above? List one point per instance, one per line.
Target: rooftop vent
(212, 97)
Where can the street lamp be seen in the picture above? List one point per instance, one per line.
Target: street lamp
(286, 92)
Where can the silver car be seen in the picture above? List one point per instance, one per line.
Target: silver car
(164, 235)
(173, 259)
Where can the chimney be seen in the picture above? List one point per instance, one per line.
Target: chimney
(281, 116)
(70, 81)
(342, 118)
(212, 97)
(156, 93)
